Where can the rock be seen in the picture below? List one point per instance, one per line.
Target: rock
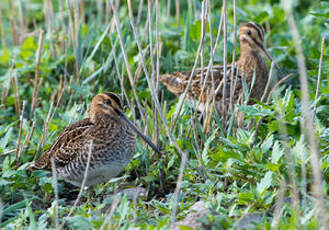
(196, 211)
(248, 221)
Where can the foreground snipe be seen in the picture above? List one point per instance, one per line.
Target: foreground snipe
(251, 59)
(113, 136)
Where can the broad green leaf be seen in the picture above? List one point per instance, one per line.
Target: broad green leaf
(267, 144)
(265, 183)
(79, 222)
(277, 152)
(253, 111)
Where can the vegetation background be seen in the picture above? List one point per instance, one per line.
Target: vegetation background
(272, 172)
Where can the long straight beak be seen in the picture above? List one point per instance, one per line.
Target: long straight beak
(268, 55)
(145, 138)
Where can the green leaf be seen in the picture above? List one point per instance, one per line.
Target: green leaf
(4, 182)
(5, 140)
(253, 111)
(265, 183)
(5, 57)
(29, 47)
(277, 152)
(267, 144)
(79, 222)
(184, 227)
(205, 157)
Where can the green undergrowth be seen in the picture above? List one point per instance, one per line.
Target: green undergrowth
(235, 171)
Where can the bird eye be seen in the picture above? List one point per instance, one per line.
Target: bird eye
(108, 101)
(249, 32)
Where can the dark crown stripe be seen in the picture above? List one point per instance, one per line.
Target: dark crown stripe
(114, 97)
(258, 28)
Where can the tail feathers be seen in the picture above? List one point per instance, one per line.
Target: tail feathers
(33, 167)
(41, 163)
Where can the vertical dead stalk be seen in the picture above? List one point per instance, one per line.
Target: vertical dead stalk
(118, 27)
(18, 144)
(225, 64)
(307, 125)
(61, 12)
(279, 205)
(73, 35)
(36, 76)
(183, 96)
(234, 56)
(2, 31)
(21, 16)
(140, 10)
(114, 205)
(157, 34)
(154, 96)
(55, 187)
(157, 105)
(319, 76)
(177, 12)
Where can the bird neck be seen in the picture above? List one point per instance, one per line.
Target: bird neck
(250, 57)
(102, 118)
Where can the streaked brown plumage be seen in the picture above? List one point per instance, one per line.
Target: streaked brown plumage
(251, 47)
(113, 137)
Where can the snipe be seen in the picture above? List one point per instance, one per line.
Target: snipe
(113, 136)
(251, 59)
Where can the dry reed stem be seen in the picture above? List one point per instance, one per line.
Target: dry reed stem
(55, 187)
(268, 83)
(82, 184)
(209, 115)
(233, 56)
(154, 75)
(82, 11)
(118, 27)
(155, 99)
(18, 143)
(204, 13)
(13, 25)
(21, 16)
(100, 12)
(307, 124)
(36, 76)
(319, 76)
(108, 12)
(61, 12)
(168, 8)
(2, 31)
(140, 10)
(154, 96)
(277, 85)
(279, 205)
(149, 15)
(6, 92)
(114, 205)
(116, 64)
(290, 164)
(16, 93)
(198, 155)
(45, 127)
(139, 70)
(73, 38)
(183, 96)
(177, 4)
(210, 64)
(225, 64)
(158, 54)
(29, 137)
